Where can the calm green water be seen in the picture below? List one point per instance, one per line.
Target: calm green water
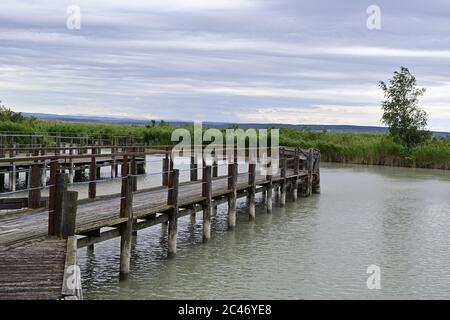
(319, 247)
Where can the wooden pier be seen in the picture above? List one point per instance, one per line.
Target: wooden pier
(63, 221)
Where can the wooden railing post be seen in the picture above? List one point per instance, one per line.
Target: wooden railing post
(194, 169)
(172, 199)
(283, 181)
(54, 167)
(2, 182)
(70, 212)
(134, 169)
(34, 195)
(71, 165)
(269, 192)
(251, 190)
(207, 208)
(93, 176)
(60, 194)
(316, 180)
(232, 186)
(296, 172)
(165, 168)
(126, 228)
(310, 171)
(215, 166)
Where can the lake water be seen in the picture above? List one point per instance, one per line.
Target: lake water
(316, 248)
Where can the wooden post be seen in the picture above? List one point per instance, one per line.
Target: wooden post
(232, 186)
(60, 193)
(70, 212)
(251, 190)
(13, 177)
(92, 176)
(126, 228)
(172, 199)
(207, 209)
(316, 180)
(215, 166)
(283, 182)
(310, 171)
(194, 169)
(296, 172)
(134, 169)
(34, 195)
(165, 168)
(2, 182)
(54, 166)
(269, 193)
(113, 161)
(71, 165)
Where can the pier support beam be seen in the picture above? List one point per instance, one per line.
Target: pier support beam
(194, 168)
(269, 194)
(232, 186)
(126, 211)
(13, 177)
(251, 191)
(173, 214)
(54, 167)
(2, 182)
(207, 208)
(316, 180)
(34, 195)
(283, 182)
(165, 168)
(296, 172)
(92, 176)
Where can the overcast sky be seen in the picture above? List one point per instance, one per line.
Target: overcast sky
(286, 61)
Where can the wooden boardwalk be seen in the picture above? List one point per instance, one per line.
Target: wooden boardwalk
(44, 240)
(37, 270)
(16, 228)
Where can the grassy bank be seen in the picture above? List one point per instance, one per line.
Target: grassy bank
(358, 148)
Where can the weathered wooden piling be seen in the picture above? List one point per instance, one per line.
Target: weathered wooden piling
(232, 186)
(296, 172)
(316, 180)
(2, 182)
(54, 167)
(92, 193)
(251, 190)
(165, 168)
(206, 205)
(34, 195)
(60, 194)
(193, 169)
(283, 182)
(269, 190)
(70, 212)
(126, 228)
(310, 165)
(134, 170)
(172, 199)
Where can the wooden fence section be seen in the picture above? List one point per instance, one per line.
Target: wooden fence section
(121, 215)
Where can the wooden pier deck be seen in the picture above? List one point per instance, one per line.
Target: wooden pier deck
(16, 228)
(40, 237)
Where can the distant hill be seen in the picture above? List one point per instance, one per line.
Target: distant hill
(312, 127)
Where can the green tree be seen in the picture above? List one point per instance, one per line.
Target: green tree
(401, 113)
(7, 114)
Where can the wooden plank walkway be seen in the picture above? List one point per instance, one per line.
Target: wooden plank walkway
(33, 271)
(27, 225)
